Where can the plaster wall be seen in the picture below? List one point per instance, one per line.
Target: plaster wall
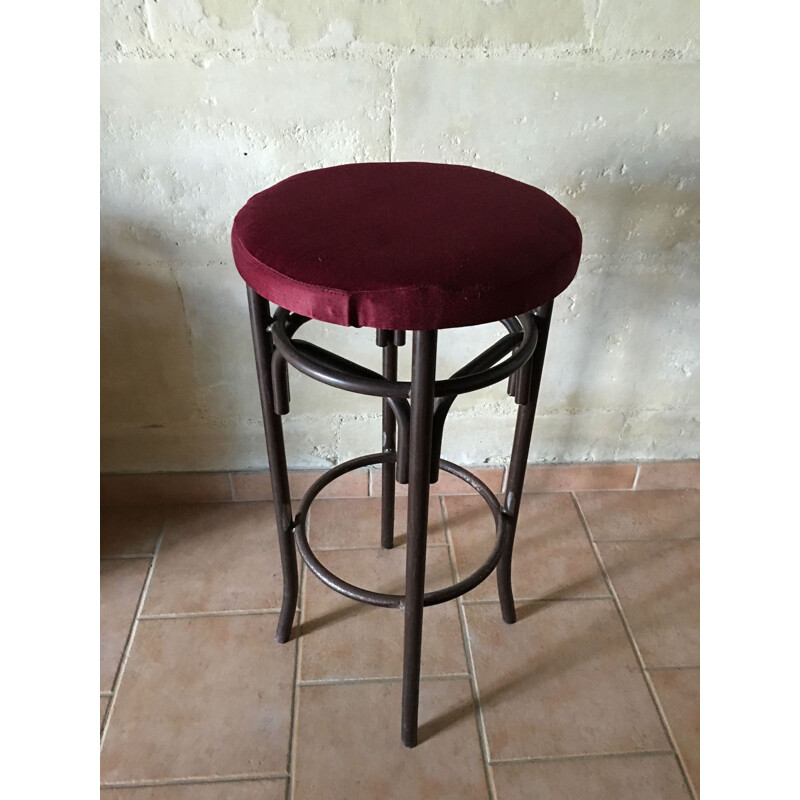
(205, 102)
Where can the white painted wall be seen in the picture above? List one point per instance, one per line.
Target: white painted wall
(205, 102)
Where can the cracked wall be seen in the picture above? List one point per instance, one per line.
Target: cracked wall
(205, 102)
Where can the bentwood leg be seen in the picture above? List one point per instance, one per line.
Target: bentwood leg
(387, 341)
(519, 458)
(423, 374)
(260, 320)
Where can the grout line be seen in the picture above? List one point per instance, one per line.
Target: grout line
(348, 548)
(433, 495)
(201, 779)
(486, 602)
(266, 499)
(473, 683)
(381, 53)
(291, 756)
(329, 498)
(393, 59)
(121, 556)
(105, 694)
(388, 679)
(193, 614)
(580, 757)
(129, 641)
(646, 490)
(372, 486)
(651, 539)
(543, 600)
(637, 652)
(660, 669)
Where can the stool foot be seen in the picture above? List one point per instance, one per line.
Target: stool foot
(507, 608)
(283, 633)
(409, 738)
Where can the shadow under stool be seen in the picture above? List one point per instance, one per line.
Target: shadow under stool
(402, 247)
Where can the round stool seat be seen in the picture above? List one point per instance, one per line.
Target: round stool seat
(405, 246)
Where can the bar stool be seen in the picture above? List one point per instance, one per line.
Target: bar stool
(402, 247)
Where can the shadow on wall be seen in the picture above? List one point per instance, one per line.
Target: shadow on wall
(178, 385)
(146, 362)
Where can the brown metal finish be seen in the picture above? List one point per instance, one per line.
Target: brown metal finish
(423, 378)
(398, 600)
(280, 384)
(260, 320)
(389, 444)
(341, 373)
(519, 457)
(443, 404)
(414, 413)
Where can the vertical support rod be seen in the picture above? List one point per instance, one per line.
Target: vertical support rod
(260, 319)
(519, 459)
(389, 446)
(423, 375)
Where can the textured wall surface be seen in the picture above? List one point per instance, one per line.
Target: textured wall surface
(205, 102)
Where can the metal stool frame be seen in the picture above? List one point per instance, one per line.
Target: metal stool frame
(414, 414)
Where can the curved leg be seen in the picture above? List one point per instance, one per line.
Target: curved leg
(420, 437)
(526, 388)
(260, 320)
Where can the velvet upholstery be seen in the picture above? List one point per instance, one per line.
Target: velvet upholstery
(405, 246)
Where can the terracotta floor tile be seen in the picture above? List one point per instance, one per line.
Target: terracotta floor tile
(349, 744)
(578, 477)
(563, 680)
(655, 514)
(129, 530)
(656, 777)
(217, 557)
(552, 555)
(658, 584)
(669, 475)
(257, 486)
(165, 488)
(251, 486)
(356, 522)
(225, 790)
(679, 693)
(201, 696)
(121, 582)
(447, 483)
(346, 639)
(351, 484)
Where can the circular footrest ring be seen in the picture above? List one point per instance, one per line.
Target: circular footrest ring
(397, 600)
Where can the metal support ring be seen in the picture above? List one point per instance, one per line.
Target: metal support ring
(502, 530)
(341, 373)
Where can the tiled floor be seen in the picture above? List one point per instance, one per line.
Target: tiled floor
(592, 695)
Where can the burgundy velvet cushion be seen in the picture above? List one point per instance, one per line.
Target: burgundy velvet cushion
(405, 246)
